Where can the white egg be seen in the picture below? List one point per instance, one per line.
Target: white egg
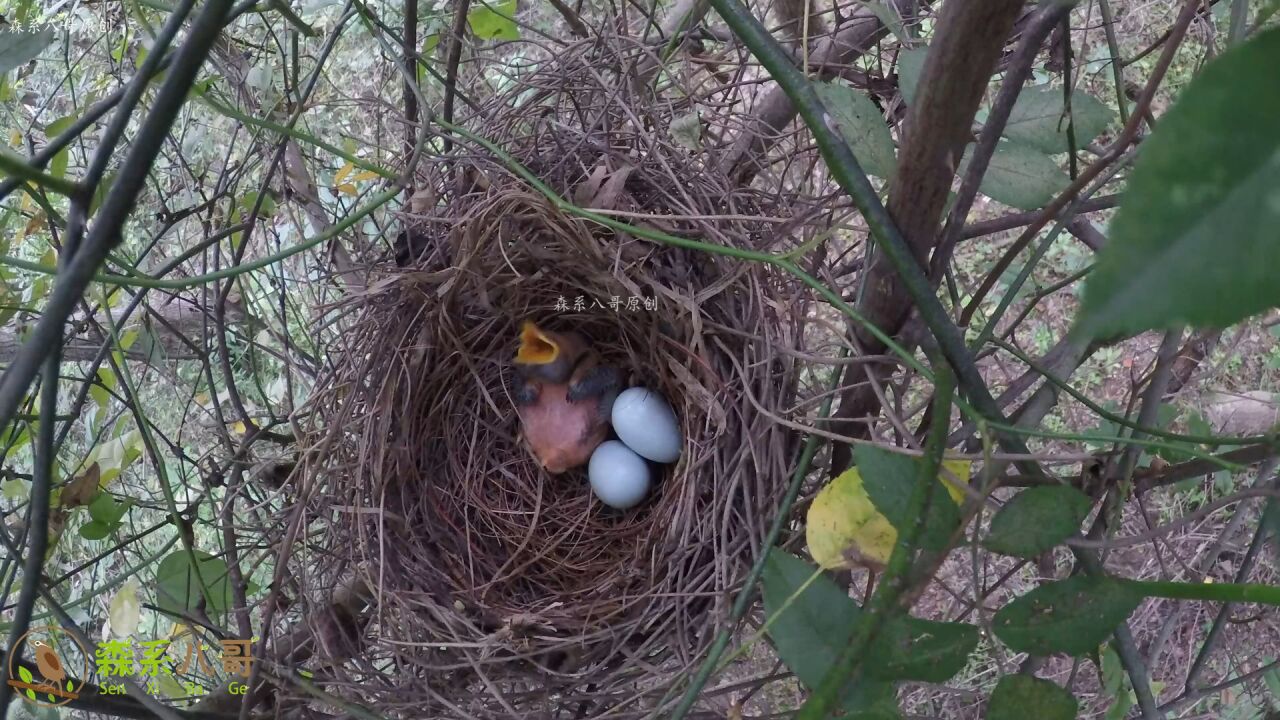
(647, 424)
(619, 477)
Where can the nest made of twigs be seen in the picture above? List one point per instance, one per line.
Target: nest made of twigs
(497, 588)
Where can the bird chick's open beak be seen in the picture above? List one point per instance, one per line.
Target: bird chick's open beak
(535, 347)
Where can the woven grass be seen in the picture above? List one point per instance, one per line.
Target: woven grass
(499, 590)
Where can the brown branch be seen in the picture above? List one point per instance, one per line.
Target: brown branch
(571, 18)
(1193, 352)
(1022, 219)
(456, 35)
(410, 60)
(969, 40)
(775, 111)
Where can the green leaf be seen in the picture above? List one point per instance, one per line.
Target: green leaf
(101, 396)
(1115, 686)
(95, 530)
(913, 649)
(1194, 241)
(1070, 616)
(1017, 697)
(1038, 119)
(198, 89)
(910, 65)
(810, 631)
(25, 674)
(18, 47)
(178, 589)
(1271, 679)
(58, 166)
(494, 21)
(862, 126)
(1037, 519)
(1021, 177)
(1112, 672)
(100, 192)
(889, 479)
(107, 510)
(251, 198)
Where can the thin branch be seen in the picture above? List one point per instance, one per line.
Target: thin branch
(1020, 68)
(1242, 574)
(983, 228)
(410, 60)
(115, 209)
(1113, 153)
(1167, 528)
(38, 517)
(95, 113)
(456, 35)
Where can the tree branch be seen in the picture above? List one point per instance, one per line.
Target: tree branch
(968, 41)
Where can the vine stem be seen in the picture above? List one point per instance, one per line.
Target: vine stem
(745, 596)
(1211, 592)
(892, 596)
(14, 166)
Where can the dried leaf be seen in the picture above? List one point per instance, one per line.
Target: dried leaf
(82, 488)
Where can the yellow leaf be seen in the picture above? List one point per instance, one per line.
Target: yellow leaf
(960, 469)
(347, 188)
(201, 398)
(238, 427)
(843, 526)
(124, 611)
(364, 175)
(342, 173)
(845, 529)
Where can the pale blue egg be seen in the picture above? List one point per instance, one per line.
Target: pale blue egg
(619, 477)
(647, 424)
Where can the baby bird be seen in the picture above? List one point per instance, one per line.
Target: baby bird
(563, 397)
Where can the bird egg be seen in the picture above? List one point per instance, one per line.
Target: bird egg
(647, 424)
(619, 477)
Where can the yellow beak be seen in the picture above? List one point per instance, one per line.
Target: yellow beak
(535, 347)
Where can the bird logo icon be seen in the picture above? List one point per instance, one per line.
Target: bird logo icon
(50, 682)
(49, 664)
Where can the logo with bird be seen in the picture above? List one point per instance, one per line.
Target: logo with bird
(41, 674)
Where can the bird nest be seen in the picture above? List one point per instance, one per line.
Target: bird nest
(496, 588)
